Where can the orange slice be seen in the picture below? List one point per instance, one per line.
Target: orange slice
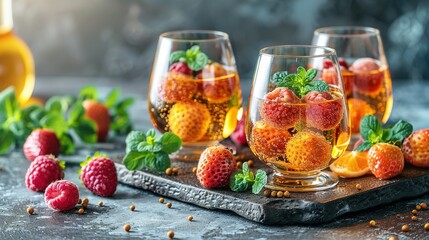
(351, 164)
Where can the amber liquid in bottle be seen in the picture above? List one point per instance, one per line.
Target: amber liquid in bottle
(16, 60)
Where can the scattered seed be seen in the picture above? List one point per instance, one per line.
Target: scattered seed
(132, 207)
(423, 205)
(127, 227)
(175, 171)
(250, 163)
(194, 169)
(280, 194)
(398, 216)
(267, 192)
(168, 171)
(414, 218)
(79, 201)
(239, 165)
(405, 228)
(84, 205)
(169, 204)
(30, 210)
(358, 186)
(372, 223)
(418, 208)
(414, 212)
(81, 211)
(161, 200)
(85, 201)
(286, 194)
(190, 218)
(170, 234)
(426, 226)
(100, 203)
(273, 193)
(393, 238)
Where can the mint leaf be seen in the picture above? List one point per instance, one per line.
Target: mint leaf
(67, 144)
(7, 140)
(133, 160)
(9, 107)
(400, 131)
(149, 147)
(86, 130)
(77, 112)
(387, 135)
(317, 85)
(58, 104)
(300, 83)
(112, 98)
(365, 145)
(279, 77)
(133, 139)
(245, 167)
(237, 183)
(370, 122)
(162, 162)
(88, 92)
(170, 142)
(301, 72)
(260, 181)
(56, 122)
(310, 75)
(200, 61)
(176, 56)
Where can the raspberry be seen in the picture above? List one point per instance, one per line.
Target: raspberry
(322, 111)
(368, 78)
(269, 142)
(278, 108)
(62, 195)
(215, 166)
(217, 85)
(43, 171)
(189, 121)
(308, 151)
(343, 63)
(99, 176)
(41, 142)
(180, 67)
(239, 135)
(177, 86)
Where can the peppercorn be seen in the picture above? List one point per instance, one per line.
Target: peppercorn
(81, 211)
(414, 218)
(393, 238)
(280, 194)
(161, 200)
(286, 194)
(132, 207)
(168, 171)
(84, 205)
(426, 226)
(30, 210)
(190, 218)
(170, 234)
(273, 193)
(414, 212)
(398, 216)
(418, 208)
(405, 228)
(267, 192)
(358, 186)
(194, 169)
(168, 205)
(127, 227)
(423, 205)
(250, 163)
(372, 223)
(85, 201)
(175, 171)
(100, 203)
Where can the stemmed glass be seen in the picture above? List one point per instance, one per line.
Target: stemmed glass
(364, 69)
(296, 123)
(194, 89)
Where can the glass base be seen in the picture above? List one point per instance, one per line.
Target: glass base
(192, 151)
(302, 182)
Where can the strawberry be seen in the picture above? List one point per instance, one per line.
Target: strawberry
(385, 160)
(268, 142)
(62, 195)
(308, 151)
(180, 67)
(99, 175)
(279, 108)
(217, 86)
(177, 86)
(41, 142)
(239, 135)
(43, 171)
(215, 166)
(99, 113)
(368, 76)
(322, 110)
(189, 121)
(416, 148)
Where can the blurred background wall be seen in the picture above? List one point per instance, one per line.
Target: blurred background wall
(116, 39)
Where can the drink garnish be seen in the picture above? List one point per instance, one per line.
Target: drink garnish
(195, 59)
(242, 179)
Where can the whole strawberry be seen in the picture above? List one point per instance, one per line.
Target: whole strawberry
(99, 175)
(215, 166)
(385, 160)
(62, 195)
(416, 148)
(99, 113)
(43, 171)
(41, 142)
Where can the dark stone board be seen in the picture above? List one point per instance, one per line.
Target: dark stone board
(306, 208)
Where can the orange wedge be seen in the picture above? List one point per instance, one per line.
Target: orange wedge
(351, 164)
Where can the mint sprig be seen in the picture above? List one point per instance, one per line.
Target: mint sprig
(300, 83)
(195, 59)
(150, 151)
(242, 179)
(372, 132)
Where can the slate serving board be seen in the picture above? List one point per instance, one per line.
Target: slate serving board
(306, 208)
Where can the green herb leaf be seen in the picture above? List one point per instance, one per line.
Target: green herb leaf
(58, 104)
(310, 75)
(86, 130)
(170, 142)
(200, 61)
(400, 131)
(134, 160)
(67, 144)
(7, 140)
(365, 145)
(162, 162)
(237, 183)
(176, 56)
(149, 147)
(77, 112)
(112, 98)
(56, 122)
(260, 181)
(133, 139)
(88, 92)
(279, 77)
(370, 122)
(317, 85)
(9, 107)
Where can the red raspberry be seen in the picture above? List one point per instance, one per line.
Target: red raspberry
(43, 171)
(62, 195)
(239, 135)
(343, 63)
(180, 67)
(278, 108)
(41, 142)
(327, 63)
(215, 166)
(368, 78)
(322, 111)
(99, 176)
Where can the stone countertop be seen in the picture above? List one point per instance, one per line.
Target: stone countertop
(152, 220)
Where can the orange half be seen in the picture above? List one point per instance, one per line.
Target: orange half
(351, 164)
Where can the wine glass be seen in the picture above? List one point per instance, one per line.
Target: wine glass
(194, 89)
(364, 69)
(296, 123)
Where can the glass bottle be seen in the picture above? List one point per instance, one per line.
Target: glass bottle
(16, 60)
